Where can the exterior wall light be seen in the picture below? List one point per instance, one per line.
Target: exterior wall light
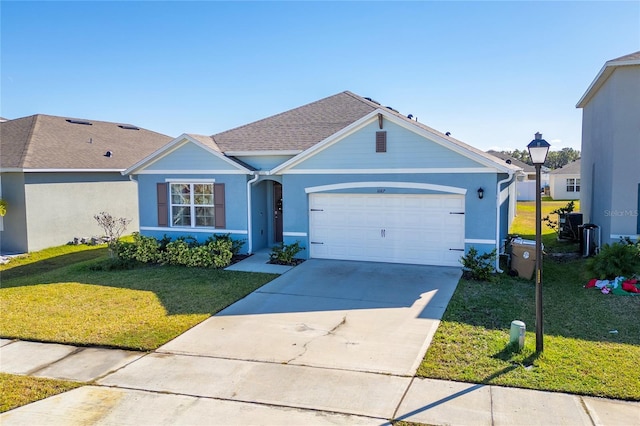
(480, 193)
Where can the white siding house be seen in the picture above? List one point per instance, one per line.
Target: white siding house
(564, 183)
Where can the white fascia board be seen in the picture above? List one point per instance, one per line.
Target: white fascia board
(72, 170)
(378, 184)
(11, 169)
(603, 75)
(174, 145)
(191, 172)
(320, 146)
(433, 170)
(264, 153)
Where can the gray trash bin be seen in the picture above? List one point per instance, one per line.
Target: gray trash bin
(589, 239)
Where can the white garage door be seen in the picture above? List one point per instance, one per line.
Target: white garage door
(397, 228)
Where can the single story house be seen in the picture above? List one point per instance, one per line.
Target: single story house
(610, 175)
(564, 183)
(526, 179)
(344, 176)
(56, 173)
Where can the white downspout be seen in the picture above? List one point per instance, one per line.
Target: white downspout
(507, 179)
(249, 227)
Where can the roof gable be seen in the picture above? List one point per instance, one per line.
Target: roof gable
(45, 142)
(606, 71)
(188, 153)
(477, 158)
(506, 157)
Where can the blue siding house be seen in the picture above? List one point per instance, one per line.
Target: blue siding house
(345, 176)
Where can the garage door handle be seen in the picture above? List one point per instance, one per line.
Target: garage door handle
(317, 210)
(456, 249)
(383, 233)
(316, 242)
(456, 212)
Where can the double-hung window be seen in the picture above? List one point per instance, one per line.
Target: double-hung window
(573, 185)
(192, 204)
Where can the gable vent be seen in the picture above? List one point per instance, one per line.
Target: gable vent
(381, 141)
(86, 123)
(128, 127)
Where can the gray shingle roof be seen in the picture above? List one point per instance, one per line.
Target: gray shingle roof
(572, 168)
(50, 142)
(299, 128)
(501, 155)
(630, 57)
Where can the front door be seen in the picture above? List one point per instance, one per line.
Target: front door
(277, 212)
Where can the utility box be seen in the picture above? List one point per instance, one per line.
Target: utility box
(523, 257)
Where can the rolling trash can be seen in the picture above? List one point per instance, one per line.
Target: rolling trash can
(589, 239)
(523, 257)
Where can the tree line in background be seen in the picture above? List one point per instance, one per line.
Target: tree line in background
(555, 159)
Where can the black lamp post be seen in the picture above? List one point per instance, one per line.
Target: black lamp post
(538, 149)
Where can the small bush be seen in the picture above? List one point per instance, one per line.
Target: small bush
(620, 259)
(285, 253)
(236, 245)
(479, 267)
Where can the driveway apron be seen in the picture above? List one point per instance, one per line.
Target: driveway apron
(339, 336)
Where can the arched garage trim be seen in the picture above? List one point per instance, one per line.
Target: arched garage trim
(410, 185)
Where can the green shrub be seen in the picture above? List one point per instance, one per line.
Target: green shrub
(479, 267)
(236, 245)
(620, 259)
(176, 253)
(285, 253)
(143, 249)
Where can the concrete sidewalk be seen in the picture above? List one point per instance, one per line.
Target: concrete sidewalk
(219, 391)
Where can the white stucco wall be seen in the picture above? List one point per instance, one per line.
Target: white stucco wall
(558, 187)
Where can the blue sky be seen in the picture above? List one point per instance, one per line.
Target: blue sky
(491, 73)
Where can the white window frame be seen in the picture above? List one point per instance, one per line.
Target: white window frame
(192, 204)
(573, 184)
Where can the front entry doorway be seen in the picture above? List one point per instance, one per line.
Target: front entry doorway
(277, 212)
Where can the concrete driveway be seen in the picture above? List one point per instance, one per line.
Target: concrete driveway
(344, 315)
(316, 337)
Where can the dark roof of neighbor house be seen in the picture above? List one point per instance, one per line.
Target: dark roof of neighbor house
(572, 168)
(524, 166)
(605, 72)
(50, 142)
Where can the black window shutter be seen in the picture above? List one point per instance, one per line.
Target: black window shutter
(218, 202)
(381, 141)
(163, 210)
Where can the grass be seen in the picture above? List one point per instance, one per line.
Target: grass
(525, 225)
(580, 356)
(54, 296)
(22, 390)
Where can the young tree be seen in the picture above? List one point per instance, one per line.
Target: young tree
(113, 229)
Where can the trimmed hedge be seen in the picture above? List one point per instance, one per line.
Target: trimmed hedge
(216, 252)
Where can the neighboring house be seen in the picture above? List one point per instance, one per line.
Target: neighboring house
(56, 173)
(344, 176)
(564, 183)
(526, 179)
(610, 175)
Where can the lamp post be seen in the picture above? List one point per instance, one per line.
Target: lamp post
(538, 149)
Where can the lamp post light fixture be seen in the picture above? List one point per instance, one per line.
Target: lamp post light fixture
(538, 150)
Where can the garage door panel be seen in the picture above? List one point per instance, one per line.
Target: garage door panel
(408, 228)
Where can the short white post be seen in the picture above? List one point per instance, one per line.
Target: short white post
(518, 329)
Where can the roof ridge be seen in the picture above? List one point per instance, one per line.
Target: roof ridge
(27, 144)
(275, 115)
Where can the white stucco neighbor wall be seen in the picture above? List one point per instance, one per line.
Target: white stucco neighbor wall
(558, 187)
(58, 212)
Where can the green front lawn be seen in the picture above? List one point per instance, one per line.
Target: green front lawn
(22, 390)
(54, 296)
(582, 353)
